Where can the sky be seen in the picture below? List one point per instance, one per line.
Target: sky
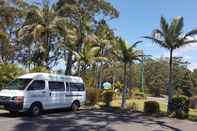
(139, 17)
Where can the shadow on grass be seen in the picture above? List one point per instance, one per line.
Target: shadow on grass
(85, 120)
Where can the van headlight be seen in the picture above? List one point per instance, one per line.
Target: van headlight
(18, 99)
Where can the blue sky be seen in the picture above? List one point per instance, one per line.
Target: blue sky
(139, 17)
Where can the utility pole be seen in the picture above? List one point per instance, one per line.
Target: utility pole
(142, 74)
(143, 57)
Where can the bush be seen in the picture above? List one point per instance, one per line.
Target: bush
(136, 93)
(193, 102)
(180, 106)
(151, 107)
(93, 96)
(132, 106)
(108, 97)
(8, 72)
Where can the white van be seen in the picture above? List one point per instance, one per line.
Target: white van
(36, 92)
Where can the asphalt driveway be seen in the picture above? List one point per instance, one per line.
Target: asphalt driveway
(92, 120)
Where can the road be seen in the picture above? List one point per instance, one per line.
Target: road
(92, 120)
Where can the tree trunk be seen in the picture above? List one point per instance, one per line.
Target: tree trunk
(78, 68)
(123, 105)
(100, 79)
(29, 61)
(170, 86)
(113, 75)
(69, 64)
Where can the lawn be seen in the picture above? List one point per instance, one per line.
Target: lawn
(140, 107)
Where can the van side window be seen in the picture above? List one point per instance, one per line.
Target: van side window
(56, 86)
(37, 85)
(77, 87)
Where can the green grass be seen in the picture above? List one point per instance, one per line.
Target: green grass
(163, 107)
(193, 114)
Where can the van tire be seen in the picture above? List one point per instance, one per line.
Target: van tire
(35, 109)
(75, 106)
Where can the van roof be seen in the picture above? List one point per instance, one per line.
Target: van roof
(52, 77)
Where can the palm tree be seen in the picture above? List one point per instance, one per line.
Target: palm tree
(105, 37)
(39, 25)
(126, 54)
(171, 36)
(88, 56)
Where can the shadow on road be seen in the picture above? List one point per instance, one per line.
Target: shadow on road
(84, 120)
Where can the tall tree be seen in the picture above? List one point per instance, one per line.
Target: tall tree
(8, 16)
(105, 37)
(39, 27)
(171, 36)
(126, 54)
(82, 13)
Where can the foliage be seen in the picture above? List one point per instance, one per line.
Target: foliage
(135, 93)
(180, 106)
(8, 72)
(108, 97)
(151, 107)
(126, 54)
(39, 69)
(132, 106)
(93, 96)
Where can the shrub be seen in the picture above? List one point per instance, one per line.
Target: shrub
(108, 97)
(193, 102)
(151, 107)
(180, 106)
(93, 96)
(136, 93)
(132, 106)
(8, 72)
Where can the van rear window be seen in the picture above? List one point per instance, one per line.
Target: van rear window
(56, 86)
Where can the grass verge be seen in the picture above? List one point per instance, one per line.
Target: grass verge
(140, 107)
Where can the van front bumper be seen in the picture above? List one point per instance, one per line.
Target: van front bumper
(11, 106)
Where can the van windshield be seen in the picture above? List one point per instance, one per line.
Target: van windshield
(18, 84)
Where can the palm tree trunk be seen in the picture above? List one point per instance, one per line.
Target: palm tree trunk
(69, 64)
(78, 68)
(113, 75)
(101, 70)
(170, 87)
(123, 105)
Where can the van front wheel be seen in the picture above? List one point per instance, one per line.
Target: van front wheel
(35, 109)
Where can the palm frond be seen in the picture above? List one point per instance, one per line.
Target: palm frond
(157, 41)
(99, 59)
(157, 33)
(191, 33)
(93, 51)
(182, 42)
(37, 31)
(135, 44)
(164, 25)
(176, 26)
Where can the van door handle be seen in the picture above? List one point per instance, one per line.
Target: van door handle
(44, 92)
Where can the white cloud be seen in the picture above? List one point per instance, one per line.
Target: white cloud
(192, 66)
